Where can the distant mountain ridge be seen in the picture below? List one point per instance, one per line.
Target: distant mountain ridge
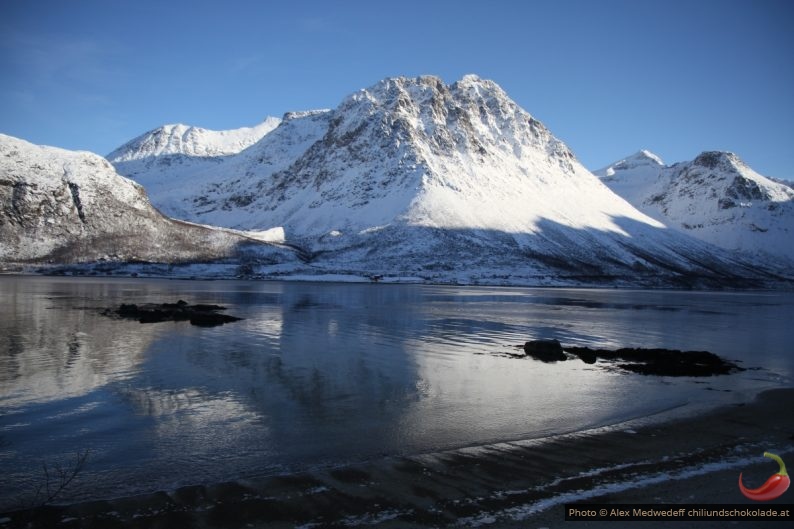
(191, 141)
(716, 197)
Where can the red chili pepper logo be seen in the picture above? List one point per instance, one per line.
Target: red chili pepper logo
(774, 487)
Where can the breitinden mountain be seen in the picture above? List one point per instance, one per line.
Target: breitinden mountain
(415, 178)
(716, 197)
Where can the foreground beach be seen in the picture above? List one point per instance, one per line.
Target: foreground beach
(695, 459)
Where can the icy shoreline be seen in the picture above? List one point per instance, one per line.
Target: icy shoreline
(232, 272)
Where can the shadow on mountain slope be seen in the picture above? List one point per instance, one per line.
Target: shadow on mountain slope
(642, 255)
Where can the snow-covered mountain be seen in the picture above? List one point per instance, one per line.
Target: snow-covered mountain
(157, 159)
(64, 207)
(716, 197)
(631, 176)
(415, 177)
(186, 186)
(191, 141)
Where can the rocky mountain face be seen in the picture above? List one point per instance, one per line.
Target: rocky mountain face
(70, 207)
(716, 197)
(413, 177)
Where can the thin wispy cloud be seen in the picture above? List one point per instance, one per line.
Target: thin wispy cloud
(77, 73)
(80, 64)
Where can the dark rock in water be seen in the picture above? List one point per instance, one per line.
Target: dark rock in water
(211, 319)
(200, 314)
(585, 354)
(545, 350)
(661, 362)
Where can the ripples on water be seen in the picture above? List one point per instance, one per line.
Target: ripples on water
(326, 373)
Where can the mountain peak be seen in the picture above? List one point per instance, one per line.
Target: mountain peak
(642, 162)
(645, 154)
(399, 84)
(423, 86)
(714, 159)
(470, 78)
(474, 80)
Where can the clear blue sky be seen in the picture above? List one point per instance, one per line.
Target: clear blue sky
(607, 77)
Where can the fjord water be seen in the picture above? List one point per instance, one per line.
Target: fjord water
(322, 374)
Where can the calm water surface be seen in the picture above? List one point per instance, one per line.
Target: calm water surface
(322, 374)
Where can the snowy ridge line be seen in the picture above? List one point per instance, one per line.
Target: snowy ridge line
(187, 140)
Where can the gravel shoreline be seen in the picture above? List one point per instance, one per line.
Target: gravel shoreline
(523, 484)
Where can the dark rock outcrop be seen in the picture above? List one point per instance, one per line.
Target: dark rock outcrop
(660, 362)
(200, 314)
(585, 354)
(652, 361)
(545, 350)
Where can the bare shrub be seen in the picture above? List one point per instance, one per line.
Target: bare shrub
(57, 478)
